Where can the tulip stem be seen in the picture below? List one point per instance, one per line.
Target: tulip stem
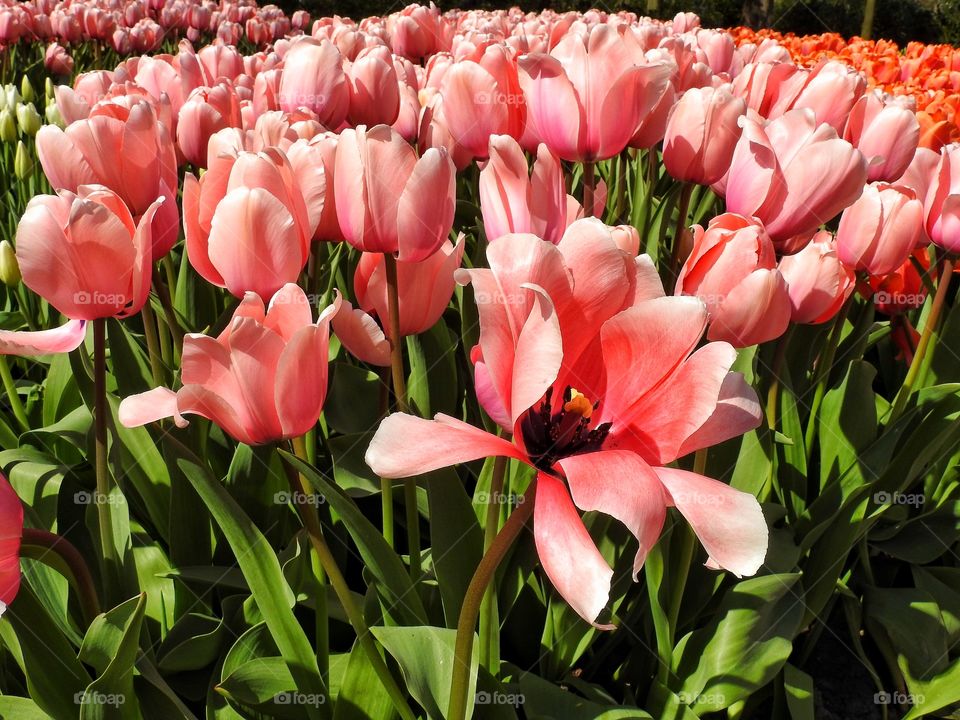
(686, 190)
(482, 577)
(153, 343)
(107, 543)
(488, 607)
(653, 574)
(929, 328)
(822, 375)
(400, 394)
(168, 312)
(589, 181)
(60, 554)
(15, 404)
(773, 393)
(302, 492)
(686, 548)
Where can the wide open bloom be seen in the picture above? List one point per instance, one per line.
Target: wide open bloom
(11, 530)
(250, 218)
(597, 376)
(264, 378)
(126, 149)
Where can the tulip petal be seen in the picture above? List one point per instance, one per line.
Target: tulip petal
(426, 207)
(11, 530)
(150, 406)
(63, 339)
(738, 411)
(361, 336)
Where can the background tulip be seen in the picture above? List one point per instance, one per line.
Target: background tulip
(886, 132)
(942, 206)
(701, 134)
(818, 283)
(374, 88)
(880, 230)
(313, 78)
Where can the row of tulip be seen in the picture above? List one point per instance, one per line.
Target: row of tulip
(362, 175)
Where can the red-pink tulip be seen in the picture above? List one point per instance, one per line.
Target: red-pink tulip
(250, 218)
(313, 78)
(701, 134)
(597, 376)
(11, 531)
(84, 254)
(818, 283)
(206, 111)
(263, 379)
(886, 132)
(126, 149)
(512, 200)
(390, 201)
(586, 99)
(793, 174)
(733, 270)
(880, 230)
(57, 61)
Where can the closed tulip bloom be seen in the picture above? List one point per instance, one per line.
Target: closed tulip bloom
(250, 218)
(586, 99)
(733, 270)
(84, 254)
(374, 88)
(598, 379)
(11, 532)
(514, 200)
(701, 134)
(886, 132)
(880, 230)
(942, 206)
(831, 90)
(482, 97)
(794, 175)
(818, 283)
(126, 149)
(207, 111)
(263, 379)
(57, 61)
(313, 78)
(389, 200)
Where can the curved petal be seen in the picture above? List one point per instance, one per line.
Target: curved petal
(361, 336)
(426, 206)
(63, 339)
(738, 411)
(150, 406)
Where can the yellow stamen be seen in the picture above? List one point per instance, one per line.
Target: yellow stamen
(579, 404)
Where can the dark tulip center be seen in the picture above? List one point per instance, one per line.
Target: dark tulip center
(549, 436)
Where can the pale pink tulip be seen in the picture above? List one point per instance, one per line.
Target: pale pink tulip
(831, 89)
(880, 230)
(374, 88)
(886, 132)
(57, 61)
(313, 78)
(818, 283)
(701, 134)
(942, 205)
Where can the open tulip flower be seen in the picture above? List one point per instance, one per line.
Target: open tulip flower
(598, 377)
(264, 378)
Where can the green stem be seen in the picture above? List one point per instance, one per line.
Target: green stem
(773, 392)
(488, 607)
(686, 190)
(302, 490)
(15, 404)
(168, 312)
(400, 393)
(107, 544)
(822, 374)
(589, 183)
(929, 328)
(685, 558)
(482, 576)
(153, 343)
(59, 553)
(386, 484)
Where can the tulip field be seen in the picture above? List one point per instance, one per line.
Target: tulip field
(474, 364)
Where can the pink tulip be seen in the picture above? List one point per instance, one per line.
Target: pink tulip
(57, 60)
(733, 270)
(263, 379)
(818, 283)
(11, 531)
(89, 88)
(483, 98)
(84, 254)
(374, 88)
(206, 111)
(769, 89)
(514, 201)
(886, 132)
(701, 134)
(414, 32)
(942, 205)
(390, 201)
(220, 62)
(313, 78)
(794, 175)
(880, 230)
(596, 376)
(586, 99)
(250, 218)
(128, 151)
(831, 90)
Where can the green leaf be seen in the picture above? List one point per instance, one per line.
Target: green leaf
(542, 700)
(361, 694)
(911, 619)
(20, 708)
(192, 644)
(355, 398)
(262, 570)
(935, 693)
(350, 470)
(798, 687)
(426, 658)
(848, 425)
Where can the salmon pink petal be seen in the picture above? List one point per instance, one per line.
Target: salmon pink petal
(728, 522)
(300, 395)
(567, 552)
(620, 484)
(205, 402)
(65, 338)
(289, 311)
(255, 354)
(11, 530)
(196, 237)
(425, 210)
(538, 357)
(361, 336)
(738, 411)
(62, 162)
(404, 445)
(552, 104)
(756, 310)
(150, 406)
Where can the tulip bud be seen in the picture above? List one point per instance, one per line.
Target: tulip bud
(29, 119)
(9, 267)
(22, 162)
(26, 90)
(11, 97)
(48, 89)
(8, 127)
(53, 115)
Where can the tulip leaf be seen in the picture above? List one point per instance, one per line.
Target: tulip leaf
(848, 425)
(20, 708)
(798, 687)
(542, 700)
(361, 694)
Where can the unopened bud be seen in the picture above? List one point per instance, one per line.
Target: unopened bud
(53, 115)
(28, 119)
(26, 89)
(8, 126)
(22, 162)
(48, 89)
(9, 267)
